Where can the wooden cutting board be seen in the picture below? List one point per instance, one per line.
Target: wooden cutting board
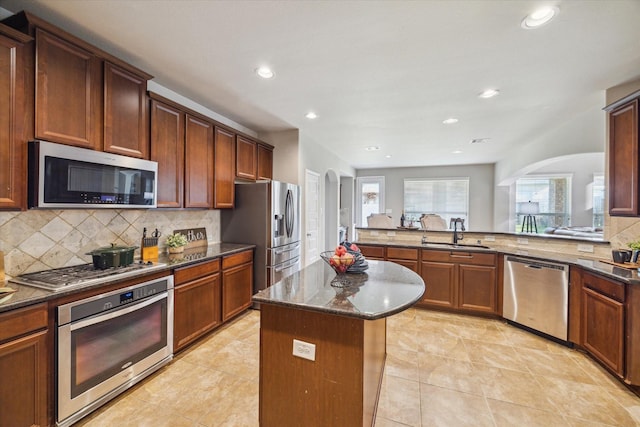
(627, 265)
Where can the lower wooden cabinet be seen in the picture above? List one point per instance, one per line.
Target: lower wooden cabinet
(197, 302)
(406, 257)
(23, 367)
(373, 252)
(463, 281)
(237, 283)
(603, 320)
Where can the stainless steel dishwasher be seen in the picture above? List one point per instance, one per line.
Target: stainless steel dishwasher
(536, 295)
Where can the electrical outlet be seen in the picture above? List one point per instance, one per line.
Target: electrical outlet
(523, 241)
(304, 350)
(585, 248)
(490, 238)
(391, 233)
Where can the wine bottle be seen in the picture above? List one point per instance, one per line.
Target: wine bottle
(402, 219)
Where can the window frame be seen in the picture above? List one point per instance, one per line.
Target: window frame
(360, 181)
(467, 215)
(514, 227)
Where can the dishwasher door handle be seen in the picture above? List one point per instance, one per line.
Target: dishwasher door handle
(537, 267)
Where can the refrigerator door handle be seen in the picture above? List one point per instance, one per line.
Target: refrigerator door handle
(289, 214)
(286, 265)
(284, 251)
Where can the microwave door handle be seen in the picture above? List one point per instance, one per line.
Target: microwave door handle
(116, 313)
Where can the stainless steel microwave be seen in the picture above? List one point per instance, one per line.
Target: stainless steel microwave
(62, 176)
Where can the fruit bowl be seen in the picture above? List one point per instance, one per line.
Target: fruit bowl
(339, 263)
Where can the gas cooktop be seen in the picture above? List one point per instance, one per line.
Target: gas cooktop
(65, 278)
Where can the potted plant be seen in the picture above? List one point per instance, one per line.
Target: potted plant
(176, 243)
(635, 247)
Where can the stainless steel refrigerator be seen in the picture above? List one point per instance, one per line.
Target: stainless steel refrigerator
(266, 214)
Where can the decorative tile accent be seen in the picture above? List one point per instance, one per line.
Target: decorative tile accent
(41, 239)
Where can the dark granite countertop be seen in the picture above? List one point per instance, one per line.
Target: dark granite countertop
(27, 295)
(626, 275)
(385, 289)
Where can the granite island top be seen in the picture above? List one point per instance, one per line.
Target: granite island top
(384, 289)
(27, 295)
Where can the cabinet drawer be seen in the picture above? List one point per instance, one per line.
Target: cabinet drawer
(186, 274)
(237, 259)
(606, 287)
(402, 253)
(22, 321)
(461, 257)
(373, 252)
(473, 258)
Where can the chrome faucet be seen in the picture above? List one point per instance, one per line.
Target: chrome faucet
(424, 238)
(457, 236)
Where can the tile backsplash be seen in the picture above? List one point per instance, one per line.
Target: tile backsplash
(42, 239)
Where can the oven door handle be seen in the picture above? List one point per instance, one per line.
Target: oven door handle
(116, 313)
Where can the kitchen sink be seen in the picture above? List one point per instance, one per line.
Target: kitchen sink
(456, 246)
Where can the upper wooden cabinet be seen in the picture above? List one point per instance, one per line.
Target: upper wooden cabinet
(84, 96)
(13, 168)
(265, 162)
(246, 158)
(198, 179)
(623, 160)
(167, 148)
(125, 112)
(68, 104)
(224, 170)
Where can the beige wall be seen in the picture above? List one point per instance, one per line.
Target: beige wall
(620, 230)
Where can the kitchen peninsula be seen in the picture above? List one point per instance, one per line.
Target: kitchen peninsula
(323, 348)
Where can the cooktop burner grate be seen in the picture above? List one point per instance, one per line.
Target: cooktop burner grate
(77, 275)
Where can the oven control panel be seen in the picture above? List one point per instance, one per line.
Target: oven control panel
(100, 303)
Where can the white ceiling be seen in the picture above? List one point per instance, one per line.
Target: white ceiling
(383, 73)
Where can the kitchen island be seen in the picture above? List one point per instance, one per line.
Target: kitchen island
(323, 347)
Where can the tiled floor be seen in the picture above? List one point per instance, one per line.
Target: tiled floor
(441, 370)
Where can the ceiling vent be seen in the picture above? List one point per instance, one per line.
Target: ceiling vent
(479, 140)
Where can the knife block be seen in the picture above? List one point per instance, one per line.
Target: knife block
(149, 251)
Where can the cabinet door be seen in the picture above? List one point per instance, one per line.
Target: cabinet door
(68, 93)
(440, 284)
(13, 169)
(373, 252)
(265, 162)
(198, 181)
(603, 329)
(224, 170)
(237, 289)
(125, 113)
(196, 309)
(623, 160)
(246, 155)
(477, 288)
(167, 148)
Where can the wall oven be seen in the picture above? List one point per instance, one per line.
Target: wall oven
(109, 342)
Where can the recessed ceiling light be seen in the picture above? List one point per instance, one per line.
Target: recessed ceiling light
(311, 115)
(372, 148)
(450, 121)
(489, 93)
(456, 152)
(265, 72)
(388, 156)
(539, 17)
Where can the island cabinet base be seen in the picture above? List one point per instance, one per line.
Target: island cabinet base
(339, 388)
